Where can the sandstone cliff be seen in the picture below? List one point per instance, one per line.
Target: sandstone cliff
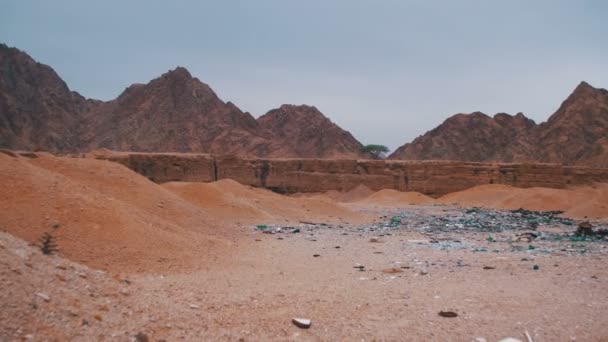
(434, 178)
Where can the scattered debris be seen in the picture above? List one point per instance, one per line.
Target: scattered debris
(360, 267)
(526, 237)
(302, 323)
(374, 240)
(448, 314)
(316, 255)
(489, 267)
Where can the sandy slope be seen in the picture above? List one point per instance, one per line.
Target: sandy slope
(236, 203)
(112, 217)
(394, 198)
(107, 214)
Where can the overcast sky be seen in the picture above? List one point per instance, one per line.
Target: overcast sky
(387, 71)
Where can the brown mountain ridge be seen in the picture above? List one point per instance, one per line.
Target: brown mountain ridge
(172, 113)
(576, 134)
(176, 112)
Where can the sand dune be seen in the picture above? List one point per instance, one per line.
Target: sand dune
(580, 202)
(108, 216)
(394, 198)
(236, 203)
(113, 218)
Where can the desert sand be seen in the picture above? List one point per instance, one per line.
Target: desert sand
(189, 261)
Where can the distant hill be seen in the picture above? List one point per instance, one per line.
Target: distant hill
(172, 113)
(576, 134)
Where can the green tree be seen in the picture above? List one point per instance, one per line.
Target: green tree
(378, 151)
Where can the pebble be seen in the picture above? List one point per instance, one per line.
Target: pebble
(303, 323)
(44, 296)
(194, 306)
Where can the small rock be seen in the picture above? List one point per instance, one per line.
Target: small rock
(448, 314)
(194, 306)
(489, 267)
(141, 337)
(584, 229)
(316, 255)
(535, 267)
(374, 240)
(303, 323)
(44, 296)
(392, 270)
(510, 339)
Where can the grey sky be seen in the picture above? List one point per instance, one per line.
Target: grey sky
(387, 71)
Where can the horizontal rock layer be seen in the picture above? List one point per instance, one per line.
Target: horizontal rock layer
(434, 178)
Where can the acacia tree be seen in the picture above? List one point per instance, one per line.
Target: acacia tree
(378, 151)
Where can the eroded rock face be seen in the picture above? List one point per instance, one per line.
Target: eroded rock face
(576, 134)
(172, 113)
(434, 178)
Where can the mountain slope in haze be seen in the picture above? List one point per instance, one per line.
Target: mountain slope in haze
(175, 112)
(37, 109)
(576, 134)
(468, 137)
(304, 131)
(172, 113)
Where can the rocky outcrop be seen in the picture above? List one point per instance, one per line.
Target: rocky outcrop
(576, 134)
(434, 178)
(172, 113)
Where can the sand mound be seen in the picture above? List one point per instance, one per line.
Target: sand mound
(394, 198)
(353, 195)
(579, 202)
(240, 204)
(107, 215)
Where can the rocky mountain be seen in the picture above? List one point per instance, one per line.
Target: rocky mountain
(304, 131)
(172, 113)
(576, 134)
(175, 113)
(468, 137)
(37, 109)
